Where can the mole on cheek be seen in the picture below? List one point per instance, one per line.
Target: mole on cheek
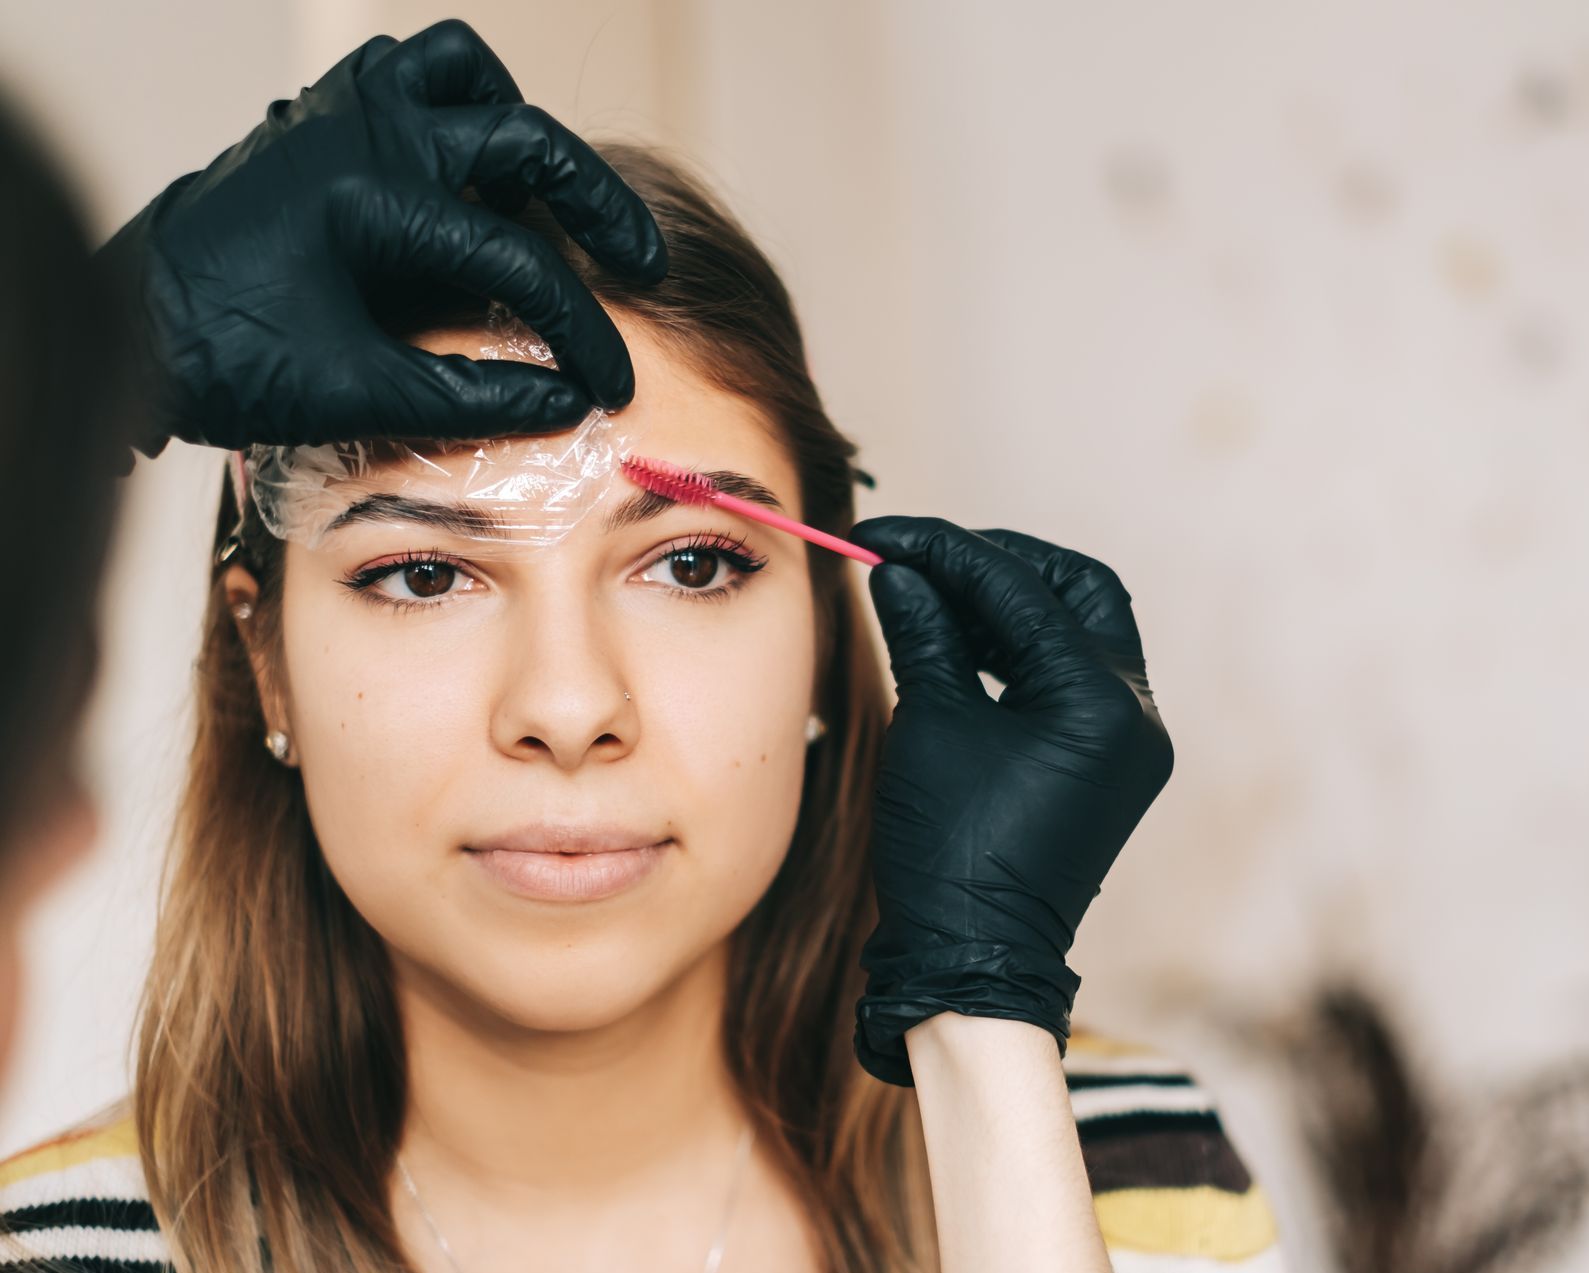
(764, 758)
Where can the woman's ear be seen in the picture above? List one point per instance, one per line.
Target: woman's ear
(242, 589)
(242, 599)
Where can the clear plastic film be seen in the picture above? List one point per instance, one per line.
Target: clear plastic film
(520, 489)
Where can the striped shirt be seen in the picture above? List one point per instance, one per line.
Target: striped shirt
(1172, 1195)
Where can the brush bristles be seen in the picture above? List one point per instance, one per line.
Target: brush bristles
(670, 480)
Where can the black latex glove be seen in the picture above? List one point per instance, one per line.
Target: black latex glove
(996, 821)
(248, 275)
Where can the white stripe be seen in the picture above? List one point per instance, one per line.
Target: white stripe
(118, 1177)
(78, 1243)
(1269, 1260)
(1145, 1098)
(1079, 1061)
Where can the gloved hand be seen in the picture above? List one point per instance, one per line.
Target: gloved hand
(996, 821)
(248, 275)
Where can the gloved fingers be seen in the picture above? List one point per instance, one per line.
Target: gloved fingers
(1093, 594)
(446, 64)
(1090, 590)
(354, 64)
(522, 146)
(416, 394)
(926, 648)
(1031, 633)
(393, 230)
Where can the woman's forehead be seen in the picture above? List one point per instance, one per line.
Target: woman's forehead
(676, 414)
(538, 488)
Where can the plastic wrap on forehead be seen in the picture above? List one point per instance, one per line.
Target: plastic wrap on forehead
(523, 489)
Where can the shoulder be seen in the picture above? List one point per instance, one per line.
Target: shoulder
(79, 1202)
(1172, 1194)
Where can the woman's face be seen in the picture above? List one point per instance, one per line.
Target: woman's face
(452, 714)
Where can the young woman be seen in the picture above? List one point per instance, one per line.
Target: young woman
(533, 938)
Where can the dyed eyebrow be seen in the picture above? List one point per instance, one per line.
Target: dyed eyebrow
(454, 519)
(644, 505)
(477, 523)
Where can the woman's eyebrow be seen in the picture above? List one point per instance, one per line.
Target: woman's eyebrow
(644, 505)
(456, 519)
(475, 522)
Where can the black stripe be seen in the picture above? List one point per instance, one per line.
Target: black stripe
(89, 1213)
(88, 1264)
(1084, 1082)
(1146, 1122)
(1179, 1159)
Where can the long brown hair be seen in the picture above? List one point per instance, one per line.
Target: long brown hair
(270, 1083)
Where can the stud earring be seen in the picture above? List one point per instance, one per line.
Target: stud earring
(815, 728)
(242, 612)
(278, 744)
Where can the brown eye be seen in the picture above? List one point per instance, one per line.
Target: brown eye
(694, 568)
(429, 578)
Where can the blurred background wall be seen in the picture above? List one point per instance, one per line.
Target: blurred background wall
(1283, 313)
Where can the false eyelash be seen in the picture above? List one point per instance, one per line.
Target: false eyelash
(731, 548)
(362, 580)
(735, 549)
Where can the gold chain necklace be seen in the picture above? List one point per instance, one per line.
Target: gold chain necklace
(714, 1257)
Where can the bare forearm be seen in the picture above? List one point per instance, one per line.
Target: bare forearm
(1008, 1183)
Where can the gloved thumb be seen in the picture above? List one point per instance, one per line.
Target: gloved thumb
(927, 649)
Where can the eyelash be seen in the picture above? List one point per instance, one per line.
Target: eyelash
(730, 548)
(735, 551)
(362, 581)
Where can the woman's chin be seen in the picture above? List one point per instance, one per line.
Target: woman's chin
(569, 996)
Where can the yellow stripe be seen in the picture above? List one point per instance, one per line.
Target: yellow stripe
(1199, 1220)
(115, 1141)
(1084, 1040)
(1195, 1221)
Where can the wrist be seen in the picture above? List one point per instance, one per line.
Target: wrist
(1010, 1185)
(969, 1046)
(973, 979)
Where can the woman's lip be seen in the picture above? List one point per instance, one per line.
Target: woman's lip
(569, 877)
(547, 837)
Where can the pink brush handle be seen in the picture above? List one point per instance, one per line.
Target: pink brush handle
(758, 513)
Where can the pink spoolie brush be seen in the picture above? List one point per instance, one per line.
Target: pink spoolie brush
(662, 478)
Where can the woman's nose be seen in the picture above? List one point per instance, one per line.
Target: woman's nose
(563, 696)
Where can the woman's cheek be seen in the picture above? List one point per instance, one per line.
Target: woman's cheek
(728, 721)
(376, 722)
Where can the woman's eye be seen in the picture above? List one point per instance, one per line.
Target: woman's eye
(702, 570)
(695, 569)
(413, 581)
(424, 580)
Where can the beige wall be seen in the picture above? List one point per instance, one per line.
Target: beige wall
(1285, 316)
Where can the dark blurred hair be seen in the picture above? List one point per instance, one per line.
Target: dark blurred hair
(63, 394)
(1417, 1179)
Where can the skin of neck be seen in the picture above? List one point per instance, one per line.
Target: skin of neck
(553, 1119)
